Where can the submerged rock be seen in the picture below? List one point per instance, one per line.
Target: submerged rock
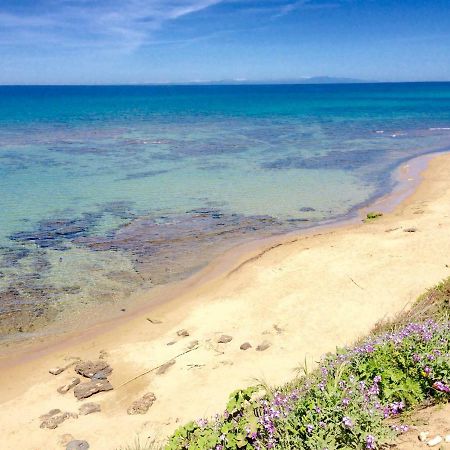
(245, 346)
(306, 209)
(142, 405)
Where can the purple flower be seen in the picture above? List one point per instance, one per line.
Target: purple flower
(347, 422)
(370, 442)
(202, 423)
(440, 386)
(309, 428)
(345, 401)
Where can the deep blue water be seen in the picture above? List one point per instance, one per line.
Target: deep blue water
(188, 169)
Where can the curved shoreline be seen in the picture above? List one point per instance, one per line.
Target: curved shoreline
(304, 296)
(405, 180)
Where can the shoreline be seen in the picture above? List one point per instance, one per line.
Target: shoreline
(304, 295)
(405, 179)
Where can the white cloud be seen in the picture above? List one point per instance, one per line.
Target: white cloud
(126, 24)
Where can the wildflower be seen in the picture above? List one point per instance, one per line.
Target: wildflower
(377, 379)
(440, 386)
(202, 423)
(309, 428)
(370, 442)
(345, 401)
(347, 422)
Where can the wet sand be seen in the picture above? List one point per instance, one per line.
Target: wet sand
(303, 294)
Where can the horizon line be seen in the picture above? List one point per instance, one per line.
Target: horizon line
(222, 83)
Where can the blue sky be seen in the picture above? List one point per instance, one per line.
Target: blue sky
(141, 41)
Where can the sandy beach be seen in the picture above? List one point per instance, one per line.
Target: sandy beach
(300, 295)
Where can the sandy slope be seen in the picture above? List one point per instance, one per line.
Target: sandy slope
(304, 297)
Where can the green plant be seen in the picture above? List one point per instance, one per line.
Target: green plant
(373, 215)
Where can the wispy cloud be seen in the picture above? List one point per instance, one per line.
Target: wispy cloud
(120, 25)
(124, 24)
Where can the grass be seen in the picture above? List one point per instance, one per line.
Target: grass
(349, 401)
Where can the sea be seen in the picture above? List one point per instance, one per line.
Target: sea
(108, 190)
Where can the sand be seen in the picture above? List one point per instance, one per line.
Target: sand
(303, 294)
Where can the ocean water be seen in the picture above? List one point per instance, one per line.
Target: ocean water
(106, 190)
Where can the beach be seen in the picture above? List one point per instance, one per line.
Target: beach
(296, 297)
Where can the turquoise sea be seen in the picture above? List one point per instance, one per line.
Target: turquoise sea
(105, 190)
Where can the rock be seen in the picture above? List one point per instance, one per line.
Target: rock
(245, 346)
(142, 405)
(93, 369)
(51, 413)
(423, 436)
(52, 421)
(77, 445)
(154, 321)
(263, 346)
(224, 339)
(435, 441)
(67, 387)
(165, 367)
(306, 209)
(410, 230)
(171, 342)
(278, 329)
(56, 370)
(192, 345)
(85, 390)
(183, 333)
(447, 438)
(89, 408)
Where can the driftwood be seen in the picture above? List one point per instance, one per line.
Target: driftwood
(155, 368)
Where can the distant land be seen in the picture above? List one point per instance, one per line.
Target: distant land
(306, 80)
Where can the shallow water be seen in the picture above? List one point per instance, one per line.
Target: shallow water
(105, 190)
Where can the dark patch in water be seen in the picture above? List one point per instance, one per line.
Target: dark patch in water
(335, 159)
(147, 174)
(169, 247)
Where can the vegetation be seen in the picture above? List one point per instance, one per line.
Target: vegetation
(373, 215)
(348, 401)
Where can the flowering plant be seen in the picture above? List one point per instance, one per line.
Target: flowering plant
(342, 404)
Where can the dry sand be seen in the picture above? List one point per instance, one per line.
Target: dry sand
(304, 296)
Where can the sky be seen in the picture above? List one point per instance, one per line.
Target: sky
(170, 41)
